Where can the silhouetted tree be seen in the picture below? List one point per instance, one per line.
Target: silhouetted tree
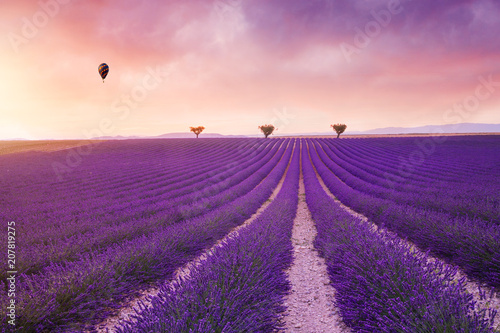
(197, 130)
(339, 128)
(267, 129)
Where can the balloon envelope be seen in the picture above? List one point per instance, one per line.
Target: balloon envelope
(103, 70)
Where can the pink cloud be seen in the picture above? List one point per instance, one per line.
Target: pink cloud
(255, 56)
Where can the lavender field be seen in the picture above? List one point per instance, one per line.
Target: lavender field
(132, 212)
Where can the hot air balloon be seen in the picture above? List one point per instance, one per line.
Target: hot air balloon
(103, 70)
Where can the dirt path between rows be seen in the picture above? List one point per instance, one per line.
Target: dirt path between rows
(310, 303)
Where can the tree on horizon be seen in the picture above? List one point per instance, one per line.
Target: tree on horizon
(339, 128)
(197, 130)
(267, 129)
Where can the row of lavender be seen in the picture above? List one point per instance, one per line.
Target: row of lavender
(446, 158)
(114, 172)
(101, 184)
(46, 199)
(64, 294)
(471, 242)
(443, 179)
(240, 288)
(381, 284)
(69, 238)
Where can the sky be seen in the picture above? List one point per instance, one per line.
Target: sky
(232, 65)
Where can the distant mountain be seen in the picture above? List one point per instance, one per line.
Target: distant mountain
(116, 137)
(436, 129)
(192, 135)
(429, 129)
(178, 135)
